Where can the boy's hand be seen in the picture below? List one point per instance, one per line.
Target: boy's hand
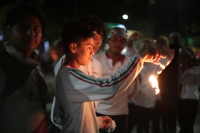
(150, 53)
(106, 122)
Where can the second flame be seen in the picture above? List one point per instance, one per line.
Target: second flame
(154, 83)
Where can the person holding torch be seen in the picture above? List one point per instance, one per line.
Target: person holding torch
(75, 91)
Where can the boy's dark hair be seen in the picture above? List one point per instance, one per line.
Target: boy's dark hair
(95, 24)
(19, 11)
(73, 31)
(162, 40)
(191, 55)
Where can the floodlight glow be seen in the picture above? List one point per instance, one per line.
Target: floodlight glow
(1, 36)
(125, 16)
(46, 46)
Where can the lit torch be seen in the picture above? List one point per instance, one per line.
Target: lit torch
(154, 83)
(153, 79)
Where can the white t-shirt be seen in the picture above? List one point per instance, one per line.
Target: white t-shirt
(93, 69)
(117, 105)
(190, 80)
(146, 96)
(75, 92)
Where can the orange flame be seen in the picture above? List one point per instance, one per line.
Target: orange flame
(154, 83)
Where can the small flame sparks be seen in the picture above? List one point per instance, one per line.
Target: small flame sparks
(154, 83)
(159, 72)
(161, 65)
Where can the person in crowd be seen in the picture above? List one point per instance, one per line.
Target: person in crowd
(189, 82)
(93, 69)
(75, 91)
(130, 48)
(158, 115)
(144, 101)
(112, 60)
(56, 52)
(99, 31)
(169, 86)
(22, 86)
(142, 104)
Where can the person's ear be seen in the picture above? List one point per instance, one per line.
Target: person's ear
(73, 47)
(8, 30)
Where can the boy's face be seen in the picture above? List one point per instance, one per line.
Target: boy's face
(25, 35)
(84, 51)
(97, 41)
(116, 44)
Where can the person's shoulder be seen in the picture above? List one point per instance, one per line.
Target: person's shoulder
(64, 71)
(99, 55)
(96, 62)
(59, 64)
(63, 75)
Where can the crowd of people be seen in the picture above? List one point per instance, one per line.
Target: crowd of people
(95, 91)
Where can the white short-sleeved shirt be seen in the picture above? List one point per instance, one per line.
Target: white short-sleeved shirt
(117, 105)
(190, 81)
(146, 96)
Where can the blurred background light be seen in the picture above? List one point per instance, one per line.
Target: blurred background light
(46, 46)
(125, 16)
(1, 36)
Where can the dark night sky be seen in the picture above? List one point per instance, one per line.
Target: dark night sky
(168, 14)
(164, 14)
(112, 9)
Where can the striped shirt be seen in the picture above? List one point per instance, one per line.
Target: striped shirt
(75, 92)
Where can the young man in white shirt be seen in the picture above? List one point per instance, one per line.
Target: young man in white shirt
(22, 86)
(112, 60)
(92, 69)
(75, 91)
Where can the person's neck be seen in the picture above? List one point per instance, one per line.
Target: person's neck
(26, 53)
(115, 57)
(72, 63)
